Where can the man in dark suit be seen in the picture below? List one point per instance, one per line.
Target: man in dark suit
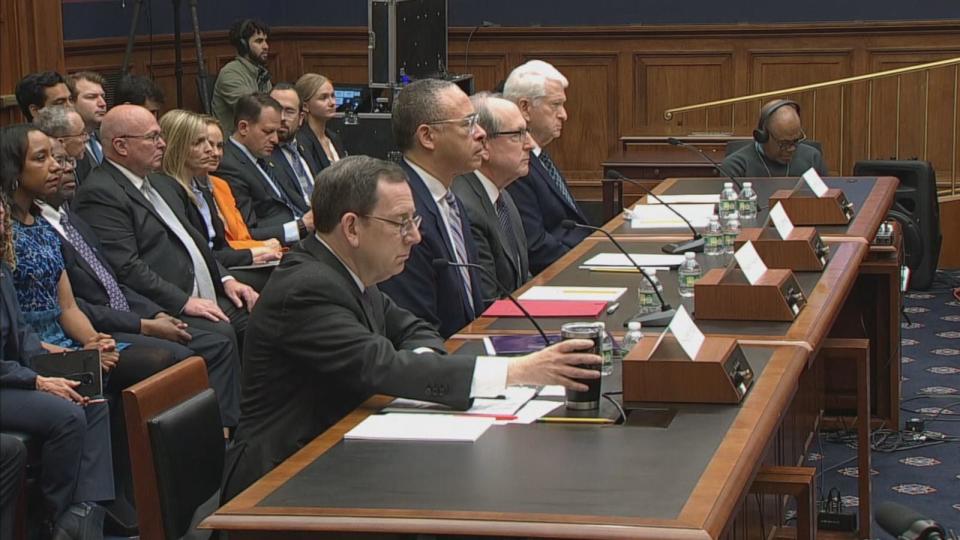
(289, 155)
(267, 203)
(66, 125)
(435, 126)
(142, 223)
(494, 219)
(543, 196)
(344, 340)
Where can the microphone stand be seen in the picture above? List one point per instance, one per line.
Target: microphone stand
(444, 263)
(695, 244)
(677, 142)
(655, 319)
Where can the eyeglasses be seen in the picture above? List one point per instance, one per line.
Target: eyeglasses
(788, 144)
(405, 225)
(84, 136)
(65, 161)
(154, 138)
(516, 135)
(469, 122)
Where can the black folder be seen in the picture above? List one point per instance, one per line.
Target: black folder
(82, 366)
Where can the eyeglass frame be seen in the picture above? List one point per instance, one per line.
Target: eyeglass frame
(84, 136)
(516, 135)
(785, 145)
(155, 138)
(410, 223)
(64, 160)
(472, 121)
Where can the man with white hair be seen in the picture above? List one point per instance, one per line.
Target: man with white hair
(542, 196)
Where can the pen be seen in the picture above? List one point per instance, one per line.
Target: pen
(612, 308)
(573, 420)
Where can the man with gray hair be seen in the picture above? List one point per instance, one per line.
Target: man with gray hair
(494, 219)
(543, 196)
(66, 125)
(436, 128)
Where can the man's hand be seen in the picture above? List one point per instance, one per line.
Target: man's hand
(307, 220)
(265, 254)
(557, 364)
(208, 309)
(165, 328)
(109, 356)
(60, 387)
(240, 294)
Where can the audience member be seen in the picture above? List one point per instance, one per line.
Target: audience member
(141, 218)
(74, 434)
(776, 149)
(13, 468)
(234, 227)
(66, 125)
(39, 90)
(186, 159)
(321, 146)
(271, 208)
(86, 89)
(436, 128)
(344, 340)
(494, 219)
(288, 153)
(139, 90)
(244, 75)
(543, 196)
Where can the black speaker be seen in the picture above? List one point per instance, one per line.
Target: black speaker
(918, 211)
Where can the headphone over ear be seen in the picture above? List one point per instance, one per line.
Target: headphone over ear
(761, 135)
(241, 43)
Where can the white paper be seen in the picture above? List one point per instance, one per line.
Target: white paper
(553, 390)
(420, 427)
(706, 198)
(750, 262)
(781, 221)
(516, 397)
(812, 177)
(641, 259)
(657, 216)
(533, 410)
(582, 294)
(688, 335)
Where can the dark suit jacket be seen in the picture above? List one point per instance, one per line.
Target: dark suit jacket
(543, 209)
(287, 178)
(436, 295)
(312, 150)
(18, 342)
(338, 350)
(226, 255)
(497, 252)
(146, 255)
(262, 209)
(92, 297)
(84, 167)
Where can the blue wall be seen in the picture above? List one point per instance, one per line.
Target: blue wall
(104, 18)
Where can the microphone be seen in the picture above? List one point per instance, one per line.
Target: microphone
(907, 524)
(677, 142)
(695, 244)
(441, 264)
(655, 319)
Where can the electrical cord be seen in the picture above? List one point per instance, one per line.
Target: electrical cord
(623, 413)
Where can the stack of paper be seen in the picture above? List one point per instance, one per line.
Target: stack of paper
(516, 397)
(656, 216)
(712, 198)
(617, 261)
(574, 293)
(420, 427)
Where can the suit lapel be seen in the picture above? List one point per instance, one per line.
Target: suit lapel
(422, 195)
(506, 244)
(254, 170)
(286, 179)
(135, 194)
(537, 167)
(322, 254)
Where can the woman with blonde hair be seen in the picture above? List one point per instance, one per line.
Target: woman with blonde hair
(187, 159)
(321, 146)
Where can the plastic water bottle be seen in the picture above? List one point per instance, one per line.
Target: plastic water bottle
(747, 203)
(728, 200)
(632, 337)
(689, 273)
(646, 296)
(606, 350)
(730, 232)
(713, 237)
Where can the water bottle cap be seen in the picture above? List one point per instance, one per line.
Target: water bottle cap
(689, 255)
(727, 185)
(747, 184)
(634, 325)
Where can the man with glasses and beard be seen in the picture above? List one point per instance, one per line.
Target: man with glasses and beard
(289, 154)
(776, 149)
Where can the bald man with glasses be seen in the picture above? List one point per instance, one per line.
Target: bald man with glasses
(778, 147)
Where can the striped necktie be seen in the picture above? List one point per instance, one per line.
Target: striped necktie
(506, 227)
(117, 301)
(557, 179)
(459, 246)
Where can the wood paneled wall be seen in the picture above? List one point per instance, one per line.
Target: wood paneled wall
(622, 78)
(31, 39)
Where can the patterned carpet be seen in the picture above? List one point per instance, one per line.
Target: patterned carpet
(923, 475)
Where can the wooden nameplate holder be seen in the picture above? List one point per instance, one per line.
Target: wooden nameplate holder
(808, 209)
(802, 251)
(725, 294)
(719, 374)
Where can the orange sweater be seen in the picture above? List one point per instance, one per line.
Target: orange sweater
(238, 236)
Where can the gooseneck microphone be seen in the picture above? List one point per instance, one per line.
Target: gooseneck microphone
(677, 142)
(695, 244)
(654, 319)
(441, 264)
(907, 524)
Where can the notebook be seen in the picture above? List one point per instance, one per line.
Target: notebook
(82, 366)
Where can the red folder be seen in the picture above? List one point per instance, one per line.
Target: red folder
(546, 308)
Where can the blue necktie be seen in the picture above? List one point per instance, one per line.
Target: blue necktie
(557, 179)
(96, 148)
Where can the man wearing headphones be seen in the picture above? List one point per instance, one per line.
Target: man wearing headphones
(244, 75)
(778, 147)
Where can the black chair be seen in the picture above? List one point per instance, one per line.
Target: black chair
(176, 447)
